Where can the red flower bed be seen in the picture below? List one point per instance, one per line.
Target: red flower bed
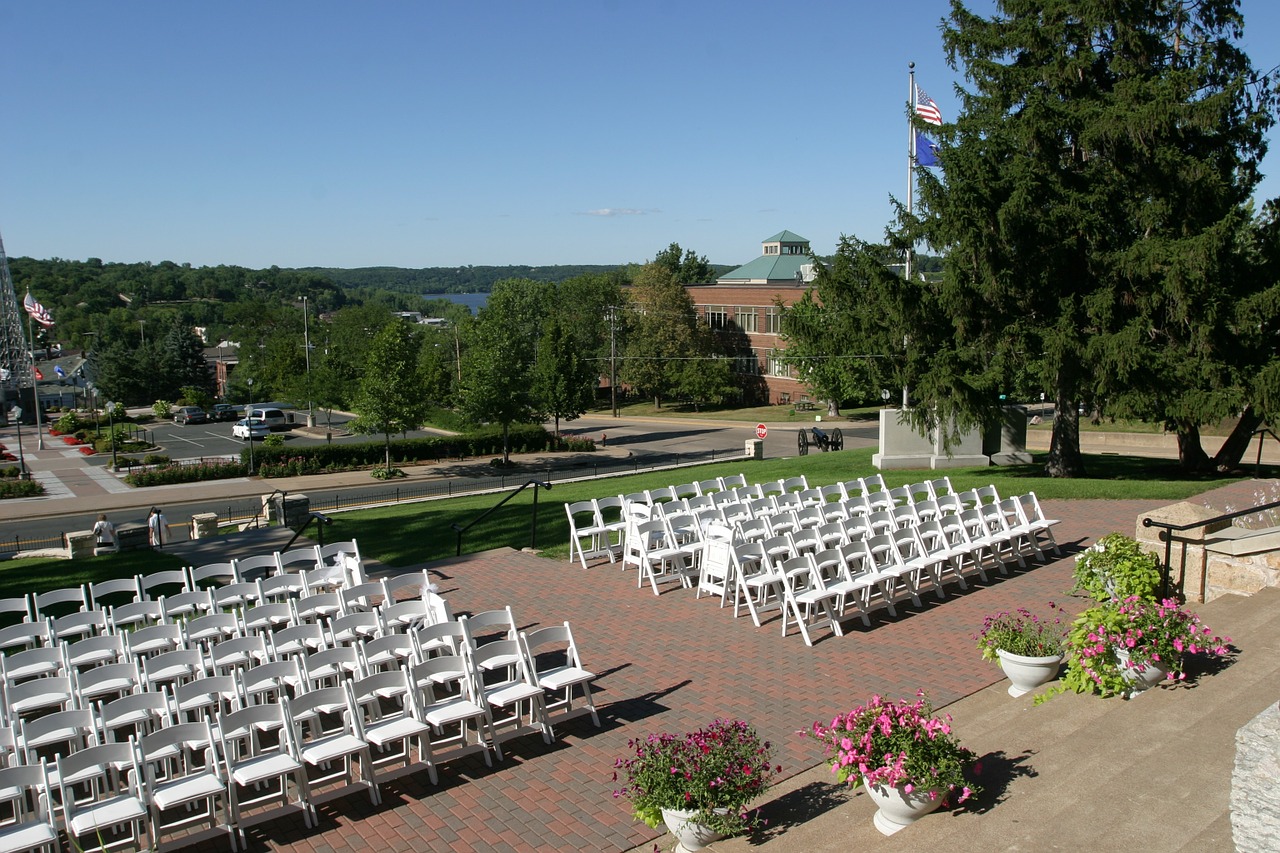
(70, 439)
(87, 450)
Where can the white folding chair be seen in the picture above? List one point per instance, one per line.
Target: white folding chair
(733, 481)
(297, 640)
(354, 627)
(96, 651)
(60, 602)
(715, 566)
(112, 592)
(176, 667)
(656, 557)
(137, 714)
(516, 703)
(212, 628)
(154, 640)
(272, 616)
(206, 699)
(191, 604)
(328, 732)
(235, 594)
(609, 511)
(804, 595)
(101, 793)
(33, 663)
(331, 667)
(859, 582)
(317, 606)
(104, 683)
(24, 794)
(1040, 526)
(296, 561)
(183, 770)
(557, 668)
(139, 614)
(460, 720)
(363, 597)
(753, 578)
(162, 583)
(31, 698)
(25, 635)
(270, 682)
(254, 761)
(390, 713)
(585, 526)
(213, 574)
(280, 587)
(228, 656)
(257, 567)
(75, 626)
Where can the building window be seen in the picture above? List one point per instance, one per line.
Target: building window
(717, 316)
(745, 317)
(773, 321)
(777, 368)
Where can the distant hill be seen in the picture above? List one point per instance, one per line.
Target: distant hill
(468, 279)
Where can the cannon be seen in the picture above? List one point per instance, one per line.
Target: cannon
(821, 439)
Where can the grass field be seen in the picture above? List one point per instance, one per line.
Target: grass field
(409, 534)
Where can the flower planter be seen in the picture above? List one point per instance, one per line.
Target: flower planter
(1027, 673)
(896, 809)
(689, 834)
(1140, 678)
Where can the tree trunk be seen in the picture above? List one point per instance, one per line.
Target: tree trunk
(387, 436)
(1233, 449)
(1064, 447)
(833, 409)
(1191, 455)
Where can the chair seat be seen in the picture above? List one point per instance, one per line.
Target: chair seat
(263, 767)
(560, 677)
(187, 789)
(392, 729)
(510, 692)
(104, 813)
(449, 711)
(26, 836)
(325, 749)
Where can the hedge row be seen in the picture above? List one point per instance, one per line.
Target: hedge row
(328, 458)
(170, 474)
(11, 488)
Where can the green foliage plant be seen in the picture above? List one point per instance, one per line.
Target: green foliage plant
(1021, 632)
(897, 743)
(170, 474)
(14, 488)
(163, 409)
(273, 440)
(387, 473)
(1115, 568)
(714, 772)
(1149, 632)
(68, 423)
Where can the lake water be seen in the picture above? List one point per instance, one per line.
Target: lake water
(473, 301)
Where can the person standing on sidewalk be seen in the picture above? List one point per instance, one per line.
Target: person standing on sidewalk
(104, 535)
(156, 527)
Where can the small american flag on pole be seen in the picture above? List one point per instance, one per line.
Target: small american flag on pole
(37, 311)
(927, 109)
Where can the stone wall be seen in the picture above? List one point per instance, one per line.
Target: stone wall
(1255, 796)
(1187, 555)
(1243, 562)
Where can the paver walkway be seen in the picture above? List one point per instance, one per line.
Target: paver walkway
(671, 663)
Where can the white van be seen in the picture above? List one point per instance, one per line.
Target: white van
(273, 418)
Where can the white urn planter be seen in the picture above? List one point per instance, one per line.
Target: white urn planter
(1027, 673)
(1139, 678)
(896, 809)
(689, 834)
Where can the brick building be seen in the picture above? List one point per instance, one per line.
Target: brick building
(745, 306)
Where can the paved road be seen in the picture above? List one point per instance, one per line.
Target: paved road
(79, 487)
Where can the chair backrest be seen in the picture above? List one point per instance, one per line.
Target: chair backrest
(296, 560)
(138, 613)
(280, 587)
(271, 681)
(794, 484)
(154, 639)
(34, 663)
(754, 530)
(583, 515)
(987, 494)
(884, 552)
(881, 521)
(256, 567)
(905, 515)
(874, 483)
(206, 698)
(112, 680)
(24, 635)
(83, 624)
(239, 733)
(96, 651)
(177, 666)
(857, 557)
(662, 494)
(389, 651)
(733, 481)
(16, 609)
(490, 624)
(939, 487)
(749, 558)
(268, 616)
(363, 596)
(235, 594)
(446, 636)
(118, 591)
(137, 713)
(786, 502)
(706, 487)
(168, 581)
(552, 644)
(805, 541)
(214, 573)
(781, 523)
(297, 640)
(213, 628)
(228, 656)
(684, 491)
(810, 516)
(61, 601)
(331, 666)
(186, 605)
(344, 556)
(857, 505)
(61, 731)
(776, 549)
(832, 534)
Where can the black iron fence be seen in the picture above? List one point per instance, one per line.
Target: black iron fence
(246, 510)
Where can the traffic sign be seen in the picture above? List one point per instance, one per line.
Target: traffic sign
(761, 430)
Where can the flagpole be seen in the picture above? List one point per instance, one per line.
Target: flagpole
(911, 161)
(35, 384)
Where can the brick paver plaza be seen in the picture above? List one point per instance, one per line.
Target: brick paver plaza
(672, 663)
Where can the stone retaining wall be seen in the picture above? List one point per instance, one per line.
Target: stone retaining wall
(1255, 796)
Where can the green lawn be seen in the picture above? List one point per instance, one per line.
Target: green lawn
(409, 534)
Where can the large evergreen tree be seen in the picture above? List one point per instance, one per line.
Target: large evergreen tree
(1090, 209)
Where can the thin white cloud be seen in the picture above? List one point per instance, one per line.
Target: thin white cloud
(618, 211)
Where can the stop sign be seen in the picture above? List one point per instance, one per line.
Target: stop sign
(761, 430)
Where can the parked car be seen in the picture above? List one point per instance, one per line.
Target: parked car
(273, 418)
(225, 412)
(250, 428)
(190, 415)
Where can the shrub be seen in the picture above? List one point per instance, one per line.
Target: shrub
(1116, 568)
(387, 473)
(68, 424)
(171, 474)
(163, 409)
(273, 440)
(11, 488)
(155, 459)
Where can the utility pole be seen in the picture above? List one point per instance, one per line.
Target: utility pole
(613, 358)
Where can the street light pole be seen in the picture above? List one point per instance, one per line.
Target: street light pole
(248, 421)
(306, 342)
(111, 419)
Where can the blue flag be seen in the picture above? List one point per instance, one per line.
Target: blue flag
(926, 151)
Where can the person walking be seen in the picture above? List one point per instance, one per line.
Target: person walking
(157, 527)
(104, 535)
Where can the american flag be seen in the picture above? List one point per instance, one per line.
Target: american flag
(37, 311)
(927, 109)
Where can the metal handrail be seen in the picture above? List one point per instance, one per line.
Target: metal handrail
(533, 530)
(1167, 531)
(322, 520)
(1260, 432)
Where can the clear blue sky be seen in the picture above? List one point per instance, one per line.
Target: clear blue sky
(416, 134)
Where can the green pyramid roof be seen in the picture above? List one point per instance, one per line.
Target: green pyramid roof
(786, 237)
